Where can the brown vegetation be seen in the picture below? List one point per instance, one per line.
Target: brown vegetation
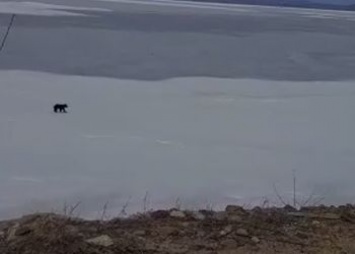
(235, 230)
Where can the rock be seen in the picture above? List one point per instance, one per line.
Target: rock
(255, 240)
(166, 247)
(350, 206)
(28, 219)
(229, 243)
(289, 208)
(316, 223)
(219, 216)
(302, 235)
(257, 210)
(234, 209)
(242, 232)
(103, 240)
(160, 214)
(333, 209)
(139, 233)
(205, 252)
(227, 230)
(2, 234)
(207, 213)
(177, 214)
(307, 209)
(11, 233)
(327, 216)
(185, 224)
(200, 234)
(198, 216)
(151, 247)
(21, 231)
(167, 230)
(234, 218)
(71, 230)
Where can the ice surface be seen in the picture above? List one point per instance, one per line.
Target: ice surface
(42, 9)
(201, 140)
(156, 42)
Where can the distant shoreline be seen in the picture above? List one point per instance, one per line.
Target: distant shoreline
(280, 3)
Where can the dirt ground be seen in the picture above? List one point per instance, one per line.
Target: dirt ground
(236, 230)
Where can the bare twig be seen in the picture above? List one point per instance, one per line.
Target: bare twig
(4, 39)
(317, 201)
(104, 211)
(123, 211)
(178, 203)
(65, 209)
(210, 206)
(73, 208)
(308, 199)
(279, 196)
(265, 202)
(145, 202)
(294, 188)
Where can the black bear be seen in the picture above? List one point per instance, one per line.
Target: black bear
(60, 108)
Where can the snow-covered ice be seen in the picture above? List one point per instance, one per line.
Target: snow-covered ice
(200, 140)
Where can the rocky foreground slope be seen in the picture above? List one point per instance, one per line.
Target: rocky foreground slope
(235, 230)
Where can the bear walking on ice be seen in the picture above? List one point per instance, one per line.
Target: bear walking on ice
(60, 108)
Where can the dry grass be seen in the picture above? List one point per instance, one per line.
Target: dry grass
(278, 231)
